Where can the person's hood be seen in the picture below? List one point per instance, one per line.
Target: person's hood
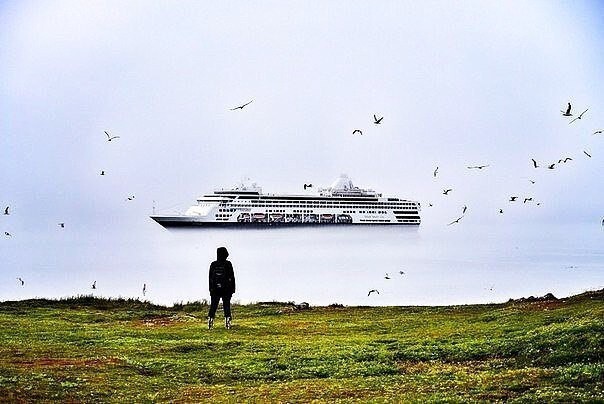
(222, 253)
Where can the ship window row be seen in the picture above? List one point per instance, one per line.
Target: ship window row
(374, 220)
(315, 205)
(372, 211)
(311, 202)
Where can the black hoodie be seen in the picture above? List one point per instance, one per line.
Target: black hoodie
(222, 276)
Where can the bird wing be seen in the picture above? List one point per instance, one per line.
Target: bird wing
(109, 136)
(583, 112)
(573, 120)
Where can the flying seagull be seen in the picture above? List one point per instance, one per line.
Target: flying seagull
(110, 138)
(587, 154)
(6, 211)
(456, 220)
(401, 272)
(446, 191)
(479, 167)
(307, 186)
(463, 211)
(513, 198)
(242, 106)
(144, 288)
(564, 160)
(94, 285)
(373, 290)
(579, 117)
(598, 132)
(532, 181)
(501, 211)
(567, 113)
(387, 276)
(62, 225)
(535, 163)
(7, 234)
(130, 198)
(102, 172)
(22, 281)
(376, 120)
(527, 200)
(357, 130)
(435, 171)
(551, 166)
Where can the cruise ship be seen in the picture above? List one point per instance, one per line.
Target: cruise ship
(342, 203)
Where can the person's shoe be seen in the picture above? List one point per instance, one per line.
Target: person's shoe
(210, 323)
(227, 323)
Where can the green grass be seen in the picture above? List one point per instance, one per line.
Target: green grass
(88, 349)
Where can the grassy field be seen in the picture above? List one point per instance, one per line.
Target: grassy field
(87, 349)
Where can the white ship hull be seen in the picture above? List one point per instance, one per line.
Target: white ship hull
(338, 205)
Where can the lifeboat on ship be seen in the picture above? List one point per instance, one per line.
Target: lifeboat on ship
(259, 217)
(327, 218)
(344, 219)
(276, 217)
(243, 217)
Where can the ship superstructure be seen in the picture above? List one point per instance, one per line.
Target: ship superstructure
(341, 203)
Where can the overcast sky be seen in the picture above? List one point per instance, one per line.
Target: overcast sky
(458, 84)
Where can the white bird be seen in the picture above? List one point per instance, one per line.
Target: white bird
(579, 117)
(110, 138)
(242, 106)
(22, 281)
(567, 113)
(376, 120)
(373, 290)
(455, 221)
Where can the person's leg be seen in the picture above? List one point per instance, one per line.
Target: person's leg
(213, 305)
(226, 303)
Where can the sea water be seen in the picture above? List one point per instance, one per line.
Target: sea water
(426, 265)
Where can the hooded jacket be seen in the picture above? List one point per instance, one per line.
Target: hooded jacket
(222, 276)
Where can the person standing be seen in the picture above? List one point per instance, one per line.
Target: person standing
(222, 286)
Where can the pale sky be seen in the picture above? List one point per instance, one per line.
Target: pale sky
(458, 83)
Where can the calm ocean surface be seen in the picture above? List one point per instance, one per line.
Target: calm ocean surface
(441, 264)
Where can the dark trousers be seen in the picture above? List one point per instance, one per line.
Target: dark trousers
(226, 303)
